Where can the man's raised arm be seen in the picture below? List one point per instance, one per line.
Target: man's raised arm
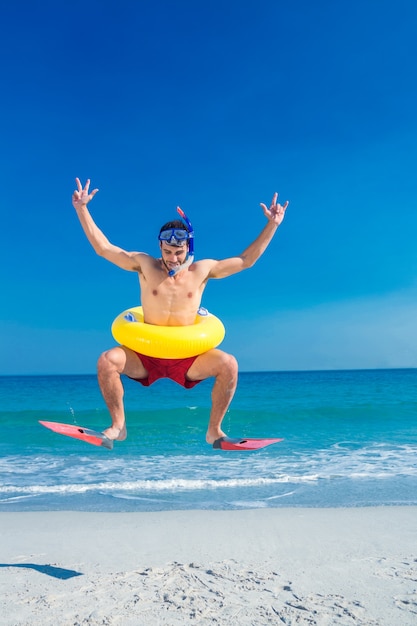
(275, 215)
(102, 246)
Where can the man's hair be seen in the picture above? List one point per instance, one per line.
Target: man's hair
(174, 224)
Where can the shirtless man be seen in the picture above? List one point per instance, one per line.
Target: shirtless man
(171, 292)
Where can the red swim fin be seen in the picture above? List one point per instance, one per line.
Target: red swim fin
(78, 432)
(226, 443)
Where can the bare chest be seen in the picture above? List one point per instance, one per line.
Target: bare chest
(170, 300)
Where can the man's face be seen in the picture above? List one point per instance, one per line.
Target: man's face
(173, 256)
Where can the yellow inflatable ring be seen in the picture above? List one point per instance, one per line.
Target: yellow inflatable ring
(167, 342)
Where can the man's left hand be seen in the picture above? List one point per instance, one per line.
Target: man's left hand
(276, 212)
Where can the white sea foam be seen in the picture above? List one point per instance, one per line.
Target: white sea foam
(234, 478)
(170, 485)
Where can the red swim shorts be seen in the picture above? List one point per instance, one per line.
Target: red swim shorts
(175, 369)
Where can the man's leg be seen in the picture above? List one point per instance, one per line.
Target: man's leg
(224, 368)
(110, 366)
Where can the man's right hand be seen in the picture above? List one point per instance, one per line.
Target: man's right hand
(81, 197)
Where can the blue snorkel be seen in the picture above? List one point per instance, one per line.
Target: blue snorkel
(190, 254)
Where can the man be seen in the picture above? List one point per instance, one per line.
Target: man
(171, 290)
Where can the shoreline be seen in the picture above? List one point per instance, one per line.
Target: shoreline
(252, 566)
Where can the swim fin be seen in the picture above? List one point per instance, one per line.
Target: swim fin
(227, 443)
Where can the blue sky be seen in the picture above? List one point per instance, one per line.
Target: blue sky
(212, 106)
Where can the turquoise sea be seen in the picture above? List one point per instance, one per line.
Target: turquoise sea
(350, 439)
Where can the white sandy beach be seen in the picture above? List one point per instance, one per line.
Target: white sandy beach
(253, 567)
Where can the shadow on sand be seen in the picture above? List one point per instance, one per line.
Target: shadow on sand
(49, 570)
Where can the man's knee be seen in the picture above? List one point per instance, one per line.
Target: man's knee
(110, 361)
(228, 365)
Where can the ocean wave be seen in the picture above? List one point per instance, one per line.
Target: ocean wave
(139, 476)
(170, 485)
